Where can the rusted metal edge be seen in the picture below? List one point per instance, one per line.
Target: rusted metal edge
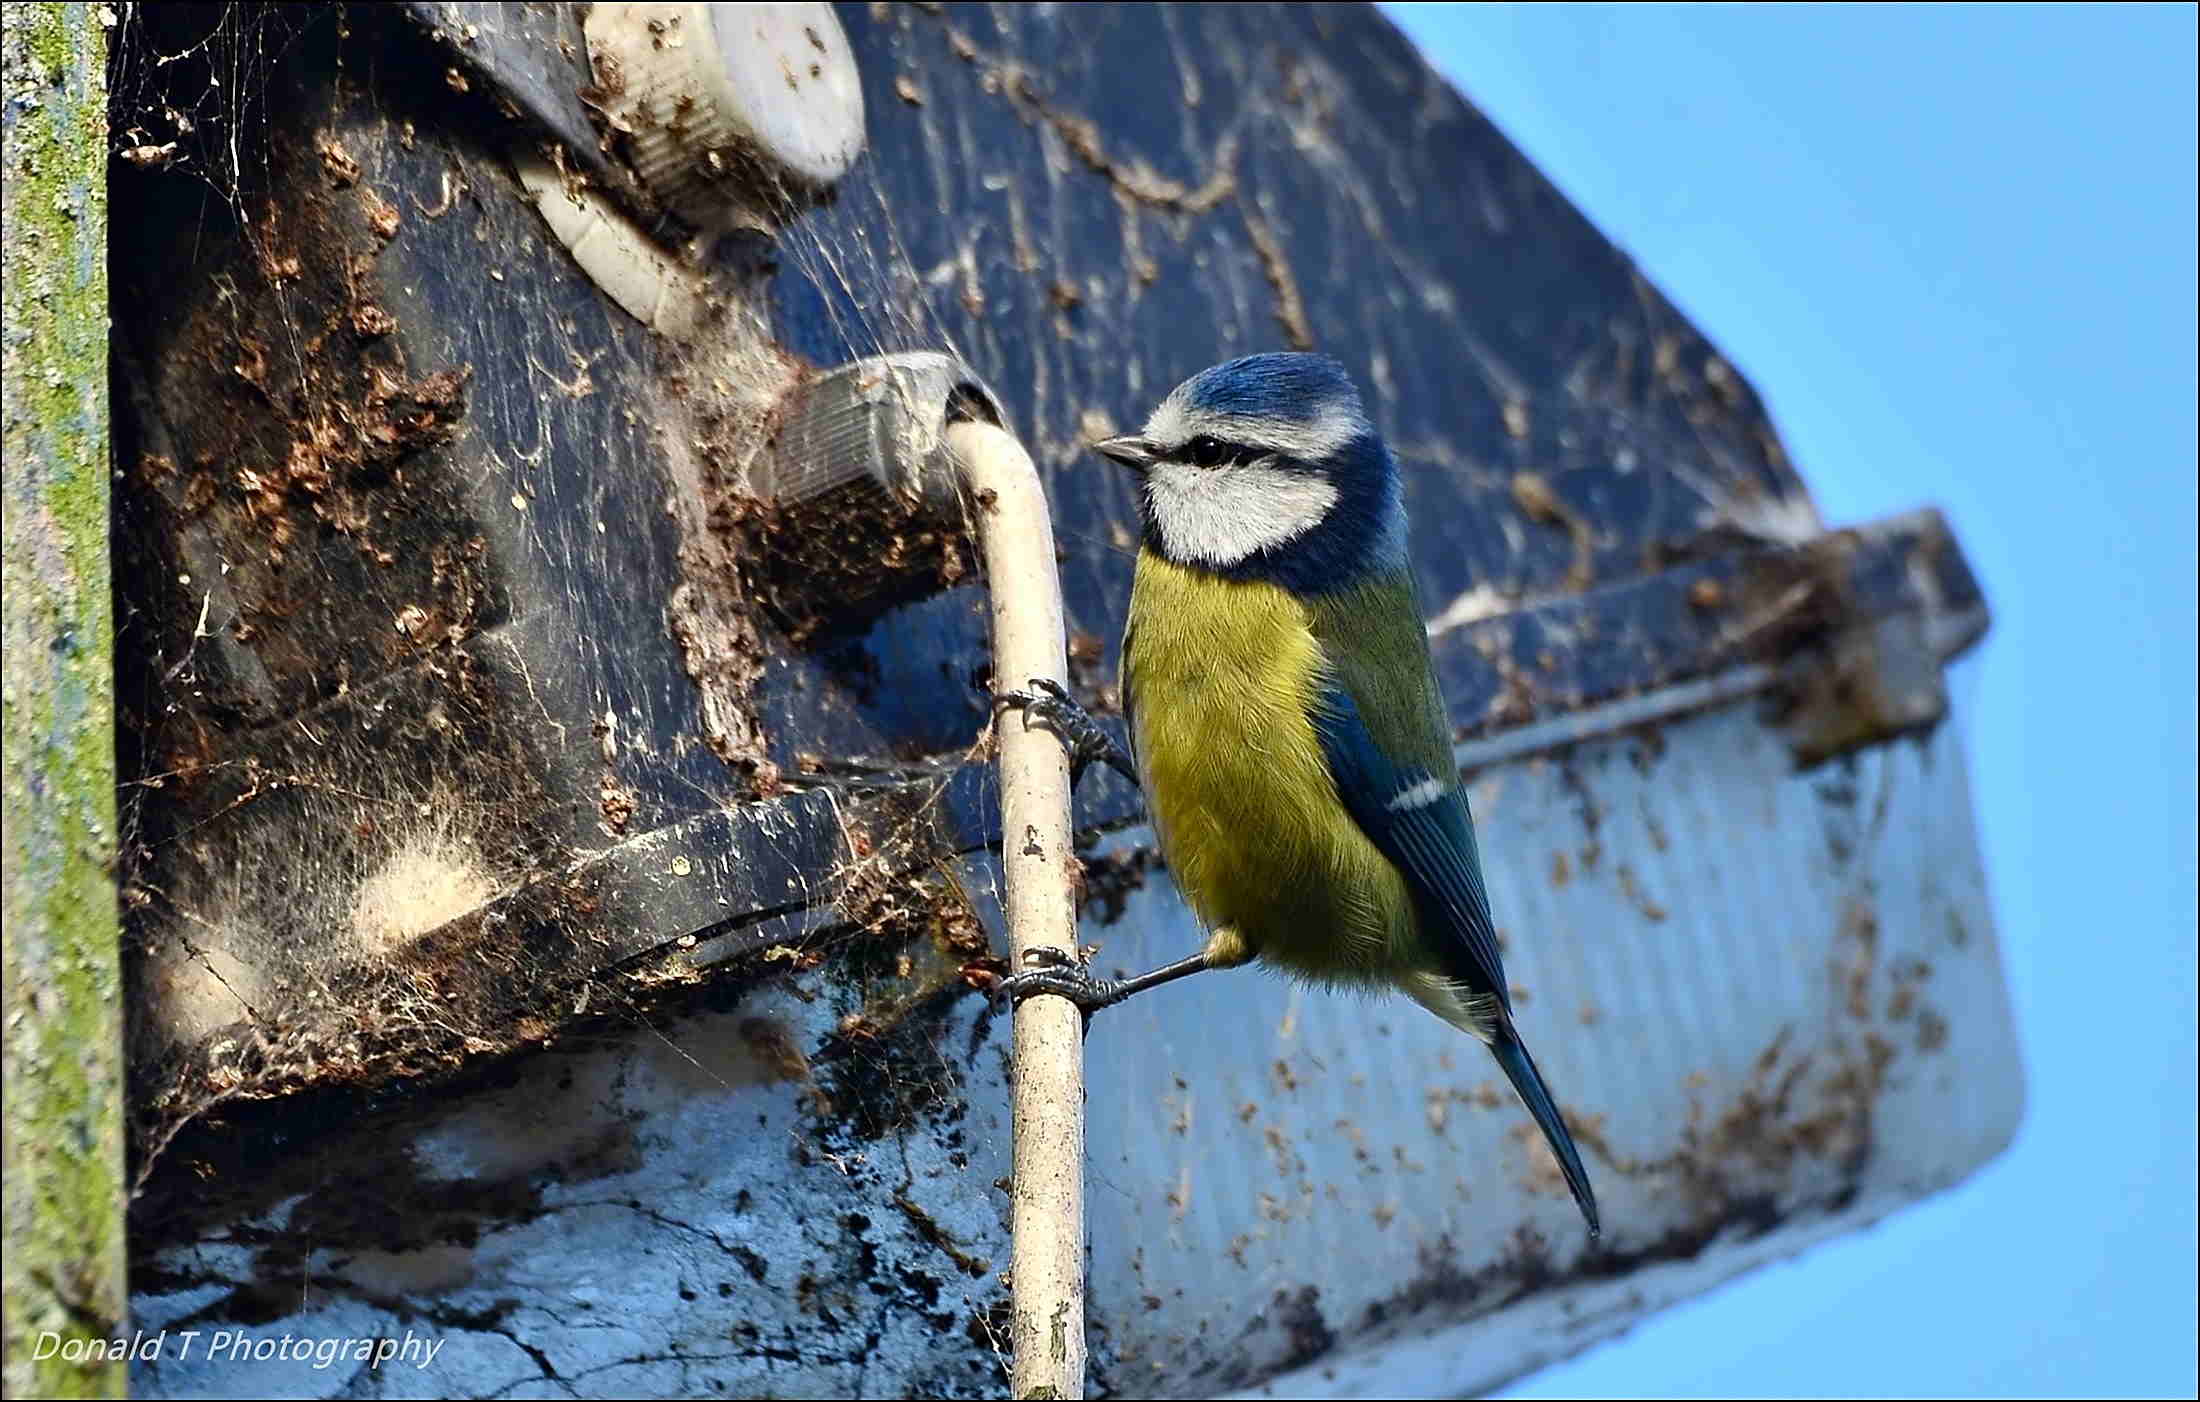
(1782, 607)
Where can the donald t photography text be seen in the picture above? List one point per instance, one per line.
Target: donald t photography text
(241, 1346)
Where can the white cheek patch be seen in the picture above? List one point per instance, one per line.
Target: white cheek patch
(1220, 515)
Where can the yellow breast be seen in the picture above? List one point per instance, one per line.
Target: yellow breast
(1223, 674)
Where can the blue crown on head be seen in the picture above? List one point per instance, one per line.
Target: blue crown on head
(1295, 386)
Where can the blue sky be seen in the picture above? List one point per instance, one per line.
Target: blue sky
(1954, 248)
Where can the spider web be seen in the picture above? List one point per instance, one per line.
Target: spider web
(294, 953)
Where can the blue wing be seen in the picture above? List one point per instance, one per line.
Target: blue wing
(1419, 821)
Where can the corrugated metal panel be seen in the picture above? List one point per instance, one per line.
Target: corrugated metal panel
(1771, 1001)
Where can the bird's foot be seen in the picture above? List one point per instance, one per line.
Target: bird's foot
(1060, 974)
(1087, 741)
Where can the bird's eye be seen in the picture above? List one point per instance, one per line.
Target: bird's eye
(1205, 451)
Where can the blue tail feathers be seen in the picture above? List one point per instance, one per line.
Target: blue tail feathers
(1512, 1054)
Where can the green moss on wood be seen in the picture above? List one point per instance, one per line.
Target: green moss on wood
(64, 1268)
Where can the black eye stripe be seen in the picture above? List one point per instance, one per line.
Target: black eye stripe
(1206, 450)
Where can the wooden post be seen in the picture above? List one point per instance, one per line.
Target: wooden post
(63, 1123)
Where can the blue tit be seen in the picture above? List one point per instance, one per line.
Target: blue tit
(1285, 721)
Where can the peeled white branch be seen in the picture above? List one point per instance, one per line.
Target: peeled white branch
(1048, 1199)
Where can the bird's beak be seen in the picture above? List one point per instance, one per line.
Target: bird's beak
(1133, 452)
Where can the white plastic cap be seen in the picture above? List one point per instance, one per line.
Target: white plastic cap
(718, 97)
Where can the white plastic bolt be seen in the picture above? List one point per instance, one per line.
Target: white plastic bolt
(732, 109)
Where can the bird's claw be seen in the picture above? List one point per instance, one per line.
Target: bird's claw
(1061, 975)
(1087, 741)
